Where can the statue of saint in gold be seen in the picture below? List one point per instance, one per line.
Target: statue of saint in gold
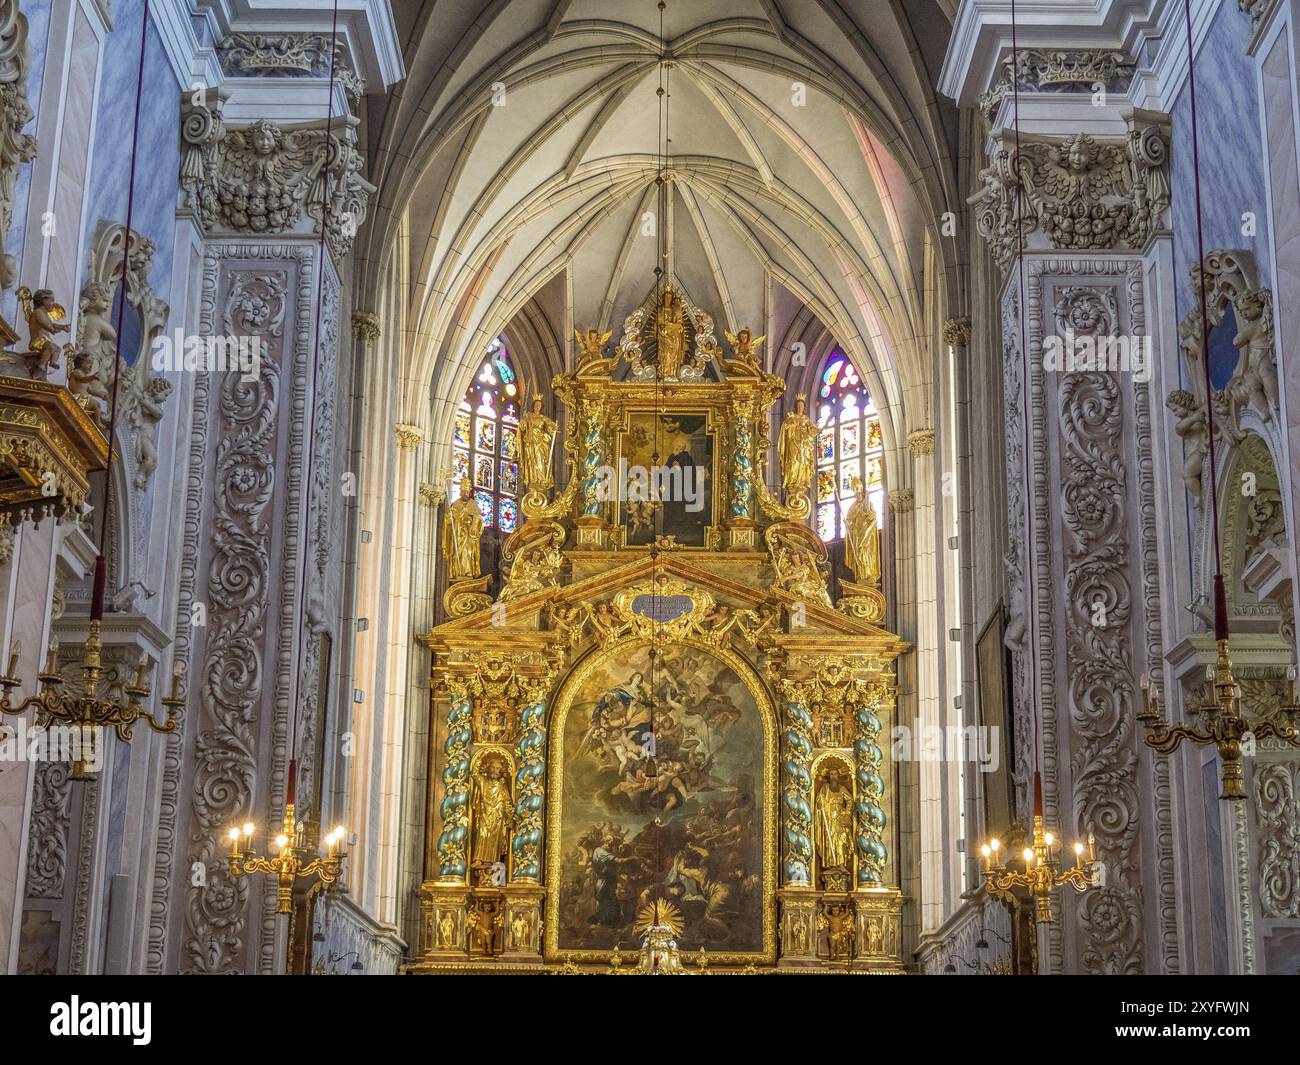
(670, 334)
(462, 529)
(862, 537)
(796, 450)
(490, 813)
(834, 822)
(537, 438)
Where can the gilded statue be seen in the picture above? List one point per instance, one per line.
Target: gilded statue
(44, 319)
(670, 334)
(521, 930)
(743, 345)
(462, 529)
(834, 813)
(862, 537)
(592, 344)
(537, 438)
(797, 573)
(490, 814)
(446, 929)
(795, 448)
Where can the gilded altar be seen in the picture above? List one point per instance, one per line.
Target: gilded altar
(662, 710)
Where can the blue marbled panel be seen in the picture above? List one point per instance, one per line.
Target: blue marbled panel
(1232, 155)
(158, 164)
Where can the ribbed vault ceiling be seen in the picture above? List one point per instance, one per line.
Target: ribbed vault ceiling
(782, 202)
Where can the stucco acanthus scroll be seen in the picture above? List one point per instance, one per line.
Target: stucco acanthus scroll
(1059, 70)
(1079, 192)
(270, 178)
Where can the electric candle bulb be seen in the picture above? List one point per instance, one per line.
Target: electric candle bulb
(15, 650)
(1078, 848)
(1049, 839)
(994, 844)
(282, 841)
(248, 828)
(1029, 857)
(1146, 682)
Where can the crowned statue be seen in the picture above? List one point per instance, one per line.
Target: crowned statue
(795, 448)
(537, 438)
(670, 334)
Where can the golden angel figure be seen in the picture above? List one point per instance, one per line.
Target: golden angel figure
(44, 319)
(490, 814)
(744, 344)
(537, 438)
(862, 537)
(462, 529)
(592, 344)
(795, 448)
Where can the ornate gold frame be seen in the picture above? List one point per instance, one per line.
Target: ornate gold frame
(712, 429)
(555, 788)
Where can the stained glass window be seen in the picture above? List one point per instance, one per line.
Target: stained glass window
(484, 445)
(850, 445)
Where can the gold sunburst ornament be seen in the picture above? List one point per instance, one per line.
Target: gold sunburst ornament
(659, 924)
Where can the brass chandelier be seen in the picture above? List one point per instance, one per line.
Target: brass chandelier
(1042, 874)
(296, 856)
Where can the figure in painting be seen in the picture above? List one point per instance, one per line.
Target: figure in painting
(490, 813)
(834, 822)
(537, 438)
(462, 529)
(862, 537)
(795, 448)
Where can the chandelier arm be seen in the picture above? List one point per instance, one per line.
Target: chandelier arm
(1170, 739)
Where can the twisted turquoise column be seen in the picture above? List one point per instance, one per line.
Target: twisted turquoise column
(593, 458)
(796, 795)
(453, 843)
(742, 470)
(871, 793)
(530, 792)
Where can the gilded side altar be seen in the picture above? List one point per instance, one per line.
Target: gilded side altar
(663, 712)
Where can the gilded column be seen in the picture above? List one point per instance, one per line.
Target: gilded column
(453, 842)
(530, 791)
(742, 464)
(593, 458)
(796, 791)
(872, 852)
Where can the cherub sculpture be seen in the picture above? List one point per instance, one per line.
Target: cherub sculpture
(1257, 371)
(1190, 425)
(85, 385)
(743, 344)
(592, 345)
(45, 318)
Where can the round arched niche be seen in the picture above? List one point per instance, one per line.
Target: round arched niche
(1257, 559)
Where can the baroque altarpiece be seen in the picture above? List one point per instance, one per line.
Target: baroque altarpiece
(662, 711)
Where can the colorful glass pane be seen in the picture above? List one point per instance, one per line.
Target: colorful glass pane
(825, 484)
(462, 429)
(510, 414)
(509, 441)
(850, 438)
(848, 470)
(459, 468)
(873, 435)
(509, 481)
(483, 471)
(826, 444)
(509, 515)
(486, 440)
(484, 501)
(875, 472)
(826, 521)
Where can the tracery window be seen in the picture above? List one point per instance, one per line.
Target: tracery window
(849, 445)
(486, 442)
